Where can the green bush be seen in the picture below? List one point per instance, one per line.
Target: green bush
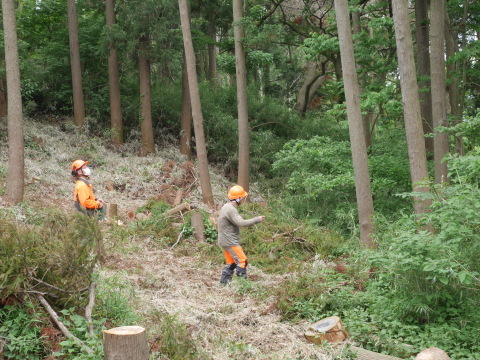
(21, 328)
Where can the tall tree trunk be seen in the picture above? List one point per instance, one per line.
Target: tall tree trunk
(114, 81)
(453, 87)
(357, 140)
(16, 161)
(212, 53)
(3, 98)
(411, 102)
(439, 109)
(357, 28)
(148, 145)
(423, 61)
(186, 131)
(78, 103)
(241, 72)
(207, 195)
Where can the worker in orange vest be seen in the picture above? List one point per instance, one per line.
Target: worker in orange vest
(84, 200)
(229, 223)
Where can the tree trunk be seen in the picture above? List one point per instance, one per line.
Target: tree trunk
(16, 160)
(423, 61)
(114, 81)
(241, 72)
(201, 147)
(125, 343)
(453, 87)
(439, 110)
(78, 103)
(357, 28)
(148, 145)
(198, 226)
(3, 99)
(212, 53)
(411, 102)
(186, 128)
(357, 140)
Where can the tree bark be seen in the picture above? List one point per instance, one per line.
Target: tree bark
(206, 186)
(212, 53)
(3, 98)
(186, 122)
(355, 126)
(148, 145)
(198, 226)
(453, 87)
(241, 77)
(411, 102)
(423, 61)
(16, 160)
(125, 343)
(78, 102)
(366, 119)
(439, 110)
(114, 81)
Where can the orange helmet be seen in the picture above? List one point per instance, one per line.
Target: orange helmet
(77, 164)
(236, 192)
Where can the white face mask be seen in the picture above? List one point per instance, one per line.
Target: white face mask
(86, 171)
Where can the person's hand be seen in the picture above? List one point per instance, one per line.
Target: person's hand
(261, 218)
(101, 203)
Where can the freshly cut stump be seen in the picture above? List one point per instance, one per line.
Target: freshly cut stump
(111, 211)
(329, 329)
(432, 353)
(125, 343)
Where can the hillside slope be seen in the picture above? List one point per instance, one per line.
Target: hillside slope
(228, 322)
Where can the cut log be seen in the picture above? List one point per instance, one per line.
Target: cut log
(125, 343)
(432, 353)
(198, 226)
(111, 210)
(178, 197)
(329, 329)
(178, 208)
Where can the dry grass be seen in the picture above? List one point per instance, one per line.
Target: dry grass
(230, 322)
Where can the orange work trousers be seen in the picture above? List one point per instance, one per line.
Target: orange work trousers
(235, 254)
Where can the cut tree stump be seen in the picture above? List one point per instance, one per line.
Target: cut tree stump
(432, 353)
(125, 343)
(198, 226)
(111, 210)
(329, 329)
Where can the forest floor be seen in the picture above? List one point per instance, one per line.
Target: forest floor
(228, 322)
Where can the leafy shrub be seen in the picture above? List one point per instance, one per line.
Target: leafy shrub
(21, 327)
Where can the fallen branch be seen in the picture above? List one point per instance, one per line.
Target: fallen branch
(179, 237)
(62, 327)
(57, 288)
(286, 233)
(89, 308)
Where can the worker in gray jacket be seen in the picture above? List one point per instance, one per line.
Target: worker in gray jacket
(229, 223)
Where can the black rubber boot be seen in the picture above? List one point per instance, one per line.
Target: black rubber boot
(242, 272)
(227, 274)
